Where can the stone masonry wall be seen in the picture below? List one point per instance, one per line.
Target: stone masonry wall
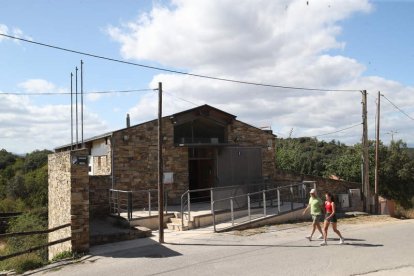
(98, 195)
(80, 204)
(322, 184)
(246, 135)
(68, 201)
(102, 164)
(136, 160)
(59, 171)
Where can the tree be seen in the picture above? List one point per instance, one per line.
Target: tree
(36, 159)
(397, 174)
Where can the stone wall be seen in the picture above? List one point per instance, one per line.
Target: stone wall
(98, 195)
(136, 159)
(68, 201)
(59, 171)
(246, 135)
(80, 204)
(101, 164)
(323, 184)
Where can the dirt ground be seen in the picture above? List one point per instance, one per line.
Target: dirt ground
(362, 219)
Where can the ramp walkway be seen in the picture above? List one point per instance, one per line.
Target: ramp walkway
(223, 208)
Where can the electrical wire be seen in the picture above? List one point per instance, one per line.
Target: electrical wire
(399, 109)
(182, 99)
(340, 130)
(68, 93)
(179, 72)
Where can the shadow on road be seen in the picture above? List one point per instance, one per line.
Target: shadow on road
(364, 244)
(151, 249)
(239, 245)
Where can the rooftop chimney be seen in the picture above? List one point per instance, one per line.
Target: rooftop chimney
(128, 121)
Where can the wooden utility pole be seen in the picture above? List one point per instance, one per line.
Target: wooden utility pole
(365, 154)
(160, 169)
(376, 210)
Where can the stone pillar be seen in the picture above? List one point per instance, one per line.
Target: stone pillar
(79, 201)
(69, 200)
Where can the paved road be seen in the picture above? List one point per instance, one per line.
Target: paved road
(373, 249)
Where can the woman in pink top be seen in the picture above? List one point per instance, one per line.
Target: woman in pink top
(330, 217)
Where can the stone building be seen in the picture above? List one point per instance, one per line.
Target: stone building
(203, 147)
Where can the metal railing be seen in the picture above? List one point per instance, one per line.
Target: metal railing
(143, 201)
(209, 195)
(247, 207)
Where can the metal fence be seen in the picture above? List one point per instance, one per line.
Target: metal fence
(31, 233)
(233, 210)
(135, 203)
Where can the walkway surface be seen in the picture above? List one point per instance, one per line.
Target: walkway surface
(381, 246)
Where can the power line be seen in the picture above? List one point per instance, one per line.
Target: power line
(182, 99)
(402, 111)
(340, 130)
(68, 93)
(180, 72)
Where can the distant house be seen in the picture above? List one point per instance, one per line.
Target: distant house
(202, 147)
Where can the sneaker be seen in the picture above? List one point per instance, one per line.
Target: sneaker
(341, 241)
(320, 237)
(323, 243)
(309, 238)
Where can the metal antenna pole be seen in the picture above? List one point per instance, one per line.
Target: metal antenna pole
(76, 89)
(71, 111)
(82, 103)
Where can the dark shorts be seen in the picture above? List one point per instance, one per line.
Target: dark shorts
(316, 218)
(332, 219)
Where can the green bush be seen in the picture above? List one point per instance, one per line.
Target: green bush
(23, 263)
(27, 222)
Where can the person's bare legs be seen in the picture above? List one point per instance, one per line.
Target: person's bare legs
(337, 232)
(325, 232)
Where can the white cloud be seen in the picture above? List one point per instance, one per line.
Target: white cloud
(14, 31)
(279, 42)
(26, 126)
(37, 86)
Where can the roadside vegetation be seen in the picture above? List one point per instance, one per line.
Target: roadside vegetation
(23, 189)
(334, 159)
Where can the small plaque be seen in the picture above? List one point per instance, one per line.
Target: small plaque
(168, 178)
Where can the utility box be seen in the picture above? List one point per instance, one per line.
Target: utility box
(343, 200)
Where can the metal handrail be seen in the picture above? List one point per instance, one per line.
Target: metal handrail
(186, 204)
(117, 204)
(263, 192)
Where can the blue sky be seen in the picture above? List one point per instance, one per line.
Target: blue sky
(326, 44)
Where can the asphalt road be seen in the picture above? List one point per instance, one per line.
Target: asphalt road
(377, 248)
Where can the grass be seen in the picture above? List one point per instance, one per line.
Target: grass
(22, 263)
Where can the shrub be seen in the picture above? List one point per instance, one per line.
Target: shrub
(23, 263)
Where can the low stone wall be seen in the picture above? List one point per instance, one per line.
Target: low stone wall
(322, 184)
(99, 195)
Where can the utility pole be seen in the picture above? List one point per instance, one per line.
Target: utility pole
(392, 132)
(160, 169)
(376, 210)
(365, 154)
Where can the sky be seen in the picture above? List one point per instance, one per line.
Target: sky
(328, 44)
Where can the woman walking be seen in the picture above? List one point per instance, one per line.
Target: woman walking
(315, 204)
(330, 217)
